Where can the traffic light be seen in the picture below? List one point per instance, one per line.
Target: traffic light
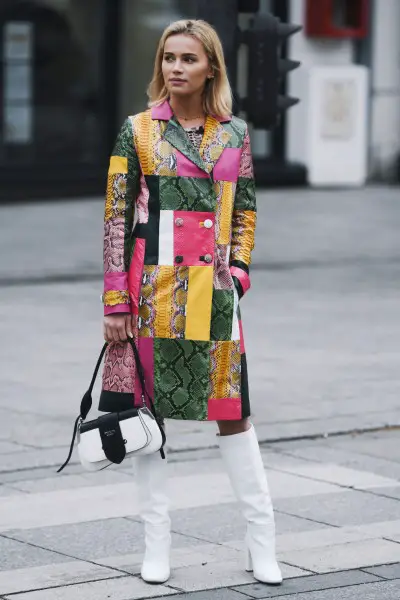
(267, 70)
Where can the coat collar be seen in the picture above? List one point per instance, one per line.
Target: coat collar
(215, 137)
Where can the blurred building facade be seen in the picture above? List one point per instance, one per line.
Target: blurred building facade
(71, 70)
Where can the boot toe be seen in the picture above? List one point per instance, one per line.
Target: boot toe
(271, 574)
(155, 573)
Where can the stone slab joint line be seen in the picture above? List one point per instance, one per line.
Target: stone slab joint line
(71, 556)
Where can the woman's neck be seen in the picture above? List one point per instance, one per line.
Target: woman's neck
(190, 108)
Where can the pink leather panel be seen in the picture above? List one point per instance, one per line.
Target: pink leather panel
(192, 239)
(118, 308)
(186, 168)
(246, 162)
(224, 409)
(227, 167)
(115, 281)
(242, 349)
(119, 368)
(145, 347)
(135, 274)
(162, 112)
(243, 278)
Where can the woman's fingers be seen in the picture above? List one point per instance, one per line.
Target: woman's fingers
(118, 329)
(128, 323)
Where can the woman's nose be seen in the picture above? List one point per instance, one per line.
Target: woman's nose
(177, 67)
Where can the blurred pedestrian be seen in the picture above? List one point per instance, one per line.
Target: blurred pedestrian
(180, 217)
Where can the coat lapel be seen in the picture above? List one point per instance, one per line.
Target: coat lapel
(177, 137)
(214, 141)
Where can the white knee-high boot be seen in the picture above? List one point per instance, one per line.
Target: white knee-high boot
(242, 458)
(152, 482)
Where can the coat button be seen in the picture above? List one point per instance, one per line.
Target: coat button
(208, 223)
(208, 258)
(179, 222)
(178, 259)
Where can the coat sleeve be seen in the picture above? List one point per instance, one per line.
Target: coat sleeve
(244, 218)
(122, 189)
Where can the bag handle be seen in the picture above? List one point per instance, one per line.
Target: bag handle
(86, 402)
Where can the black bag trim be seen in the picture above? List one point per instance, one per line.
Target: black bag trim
(89, 425)
(114, 401)
(111, 438)
(86, 405)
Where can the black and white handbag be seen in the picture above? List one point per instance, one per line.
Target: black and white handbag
(113, 436)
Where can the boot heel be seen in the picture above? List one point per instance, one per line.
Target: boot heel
(249, 561)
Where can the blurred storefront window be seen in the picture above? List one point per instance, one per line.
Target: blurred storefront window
(50, 106)
(70, 73)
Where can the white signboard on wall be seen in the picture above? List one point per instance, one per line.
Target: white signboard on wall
(338, 108)
(337, 125)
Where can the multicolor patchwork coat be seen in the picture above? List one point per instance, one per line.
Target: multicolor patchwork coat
(179, 232)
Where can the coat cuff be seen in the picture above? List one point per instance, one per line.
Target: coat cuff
(242, 277)
(116, 295)
(118, 308)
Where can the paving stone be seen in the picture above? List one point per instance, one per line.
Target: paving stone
(391, 492)
(223, 594)
(329, 536)
(186, 556)
(31, 474)
(94, 540)
(108, 501)
(384, 590)
(17, 555)
(210, 576)
(353, 555)
(121, 588)
(224, 523)
(308, 584)
(33, 458)
(350, 508)
(6, 490)
(11, 448)
(341, 476)
(373, 444)
(46, 576)
(328, 452)
(70, 481)
(385, 571)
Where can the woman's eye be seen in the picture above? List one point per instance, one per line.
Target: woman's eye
(190, 60)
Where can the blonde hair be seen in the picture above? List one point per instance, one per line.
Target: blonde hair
(217, 96)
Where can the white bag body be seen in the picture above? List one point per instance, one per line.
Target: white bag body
(141, 434)
(115, 436)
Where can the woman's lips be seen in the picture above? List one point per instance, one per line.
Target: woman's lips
(177, 81)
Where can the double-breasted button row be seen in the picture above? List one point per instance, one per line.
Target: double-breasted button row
(179, 222)
(207, 258)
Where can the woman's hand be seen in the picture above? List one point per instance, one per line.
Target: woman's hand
(118, 327)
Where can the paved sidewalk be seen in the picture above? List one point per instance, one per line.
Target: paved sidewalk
(321, 322)
(322, 333)
(337, 505)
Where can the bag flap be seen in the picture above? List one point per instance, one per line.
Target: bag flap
(111, 438)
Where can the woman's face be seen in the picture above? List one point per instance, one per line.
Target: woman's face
(185, 65)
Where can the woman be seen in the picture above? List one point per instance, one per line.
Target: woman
(179, 230)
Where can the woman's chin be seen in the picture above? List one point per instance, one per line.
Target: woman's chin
(178, 91)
